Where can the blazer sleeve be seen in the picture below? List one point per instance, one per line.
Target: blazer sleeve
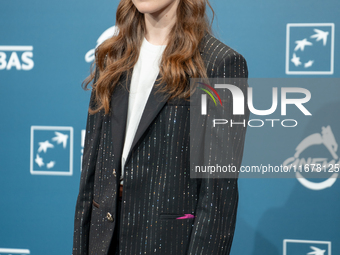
(85, 196)
(215, 219)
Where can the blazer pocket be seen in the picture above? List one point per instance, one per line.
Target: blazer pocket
(165, 216)
(95, 204)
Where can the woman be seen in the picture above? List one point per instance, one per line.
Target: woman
(136, 195)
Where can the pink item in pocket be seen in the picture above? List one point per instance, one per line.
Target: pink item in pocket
(186, 216)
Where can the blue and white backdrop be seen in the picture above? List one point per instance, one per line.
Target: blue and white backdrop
(45, 53)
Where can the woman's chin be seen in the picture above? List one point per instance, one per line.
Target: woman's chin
(152, 7)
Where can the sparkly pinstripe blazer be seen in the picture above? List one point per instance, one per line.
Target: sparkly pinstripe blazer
(157, 184)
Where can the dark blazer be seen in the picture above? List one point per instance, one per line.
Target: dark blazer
(157, 184)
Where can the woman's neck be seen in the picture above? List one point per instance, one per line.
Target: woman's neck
(159, 24)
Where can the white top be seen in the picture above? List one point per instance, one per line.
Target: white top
(143, 78)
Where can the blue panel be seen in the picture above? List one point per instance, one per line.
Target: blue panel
(43, 45)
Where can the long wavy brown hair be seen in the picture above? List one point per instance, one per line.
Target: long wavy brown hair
(181, 58)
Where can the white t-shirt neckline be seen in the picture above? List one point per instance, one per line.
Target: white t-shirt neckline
(143, 78)
(146, 45)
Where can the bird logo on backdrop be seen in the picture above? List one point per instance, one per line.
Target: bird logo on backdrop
(51, 150)
(306, 247)
(60, 138)
(301, 44)
(316, 251)
(310, 48)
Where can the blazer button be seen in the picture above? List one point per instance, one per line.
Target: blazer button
(109, 217)
(114, 172)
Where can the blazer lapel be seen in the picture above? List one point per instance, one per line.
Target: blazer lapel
(155, 103)
(119, 108)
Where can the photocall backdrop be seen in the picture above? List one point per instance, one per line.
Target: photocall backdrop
(45, 53)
